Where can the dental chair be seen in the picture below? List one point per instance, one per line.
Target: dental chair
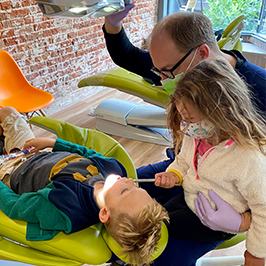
(92, 245)
(231, 35)
(129, 119)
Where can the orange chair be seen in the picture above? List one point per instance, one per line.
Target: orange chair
(16, 91)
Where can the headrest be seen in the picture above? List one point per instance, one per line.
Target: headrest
(116, 248)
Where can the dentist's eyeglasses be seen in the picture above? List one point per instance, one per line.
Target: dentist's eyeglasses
(169, 73)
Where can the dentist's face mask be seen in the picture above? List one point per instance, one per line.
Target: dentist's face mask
(169, 84)
(199, 130)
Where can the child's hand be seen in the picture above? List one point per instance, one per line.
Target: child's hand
(37, 144)
(166, 179)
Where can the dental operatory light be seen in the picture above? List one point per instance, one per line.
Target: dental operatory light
(79, 8)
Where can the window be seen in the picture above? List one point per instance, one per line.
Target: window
(261, 29)
(222, 12)
(168, 7)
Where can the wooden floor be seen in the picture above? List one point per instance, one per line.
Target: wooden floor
(78, 114)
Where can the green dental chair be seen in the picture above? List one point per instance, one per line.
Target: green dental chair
(231, 36)
(92, 245)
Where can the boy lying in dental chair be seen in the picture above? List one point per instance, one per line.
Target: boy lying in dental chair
(72, 188)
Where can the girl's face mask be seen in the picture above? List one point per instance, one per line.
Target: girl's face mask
(199, 130)
(170, 84)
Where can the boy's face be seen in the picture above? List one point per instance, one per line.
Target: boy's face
(123, 195)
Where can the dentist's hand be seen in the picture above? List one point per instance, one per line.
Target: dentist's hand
(116, 18)
(225, 218)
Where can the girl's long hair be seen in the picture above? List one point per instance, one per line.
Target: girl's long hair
(222, 97)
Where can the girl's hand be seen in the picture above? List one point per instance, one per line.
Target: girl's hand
(166, 179)
(37, 144)
(250, 260)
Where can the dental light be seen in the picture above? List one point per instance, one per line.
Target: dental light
(79, 8)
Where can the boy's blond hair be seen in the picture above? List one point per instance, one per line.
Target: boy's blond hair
(138, 235)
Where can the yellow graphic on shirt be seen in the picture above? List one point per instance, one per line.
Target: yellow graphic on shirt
(92, 170)
(79, 176)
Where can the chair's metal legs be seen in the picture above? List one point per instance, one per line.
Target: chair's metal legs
(30, 115)
(42, 112)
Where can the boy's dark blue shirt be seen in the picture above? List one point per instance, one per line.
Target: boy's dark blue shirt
(76, 200)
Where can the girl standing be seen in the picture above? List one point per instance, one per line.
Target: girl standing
(223, 148)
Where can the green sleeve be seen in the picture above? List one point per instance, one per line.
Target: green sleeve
(44, 219)
(62, 145)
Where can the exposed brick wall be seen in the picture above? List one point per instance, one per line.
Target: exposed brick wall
(54, 54)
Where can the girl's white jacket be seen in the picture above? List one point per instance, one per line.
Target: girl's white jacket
(237, 175)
